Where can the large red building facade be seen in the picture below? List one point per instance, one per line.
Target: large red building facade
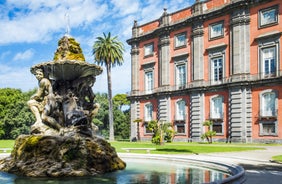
(217, 60)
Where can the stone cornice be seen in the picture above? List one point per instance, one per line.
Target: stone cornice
(226, 86)
(134, 51)
(164, 40)
(245, 4)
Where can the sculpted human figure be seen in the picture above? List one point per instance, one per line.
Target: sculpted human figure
(39, 99)
(52, 112)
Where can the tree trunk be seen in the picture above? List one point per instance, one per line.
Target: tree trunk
(111, 118)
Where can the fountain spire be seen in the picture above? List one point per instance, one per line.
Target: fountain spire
(67, 20)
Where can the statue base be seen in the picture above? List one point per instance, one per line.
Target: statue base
(61, 156)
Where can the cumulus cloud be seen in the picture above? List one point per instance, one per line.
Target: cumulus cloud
(41, 22)
(28, 54)
(37, 21)
(19, 78)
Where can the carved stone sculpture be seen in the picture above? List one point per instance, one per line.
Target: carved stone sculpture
(64, 98)
(63, 140)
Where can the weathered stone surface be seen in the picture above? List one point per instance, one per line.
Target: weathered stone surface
(63, 141)
(68, 49)
(60, 156)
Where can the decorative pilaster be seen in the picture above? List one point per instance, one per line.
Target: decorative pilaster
(240, 128)
(135, 114)
(240, 41)
(134, 68)
(164, 57)
(196, 115)
(163, 109)
(134, 61)
(198, 51)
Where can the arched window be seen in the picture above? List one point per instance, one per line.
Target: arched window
(268, 113)
(216, 110)
(268, 104)
(180, 110)
(148, 112)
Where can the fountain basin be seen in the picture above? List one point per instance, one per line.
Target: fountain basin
(68, 70)
(145, 168)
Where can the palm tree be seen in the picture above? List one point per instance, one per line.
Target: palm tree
(108, 51)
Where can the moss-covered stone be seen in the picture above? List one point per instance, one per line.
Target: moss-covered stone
(68, 49)
(60, 156)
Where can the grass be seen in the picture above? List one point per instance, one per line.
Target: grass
(172, 148)
(277, 158)
(182, 148)
(7, 144)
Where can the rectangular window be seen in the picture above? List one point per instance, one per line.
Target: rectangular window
(268, 105)
(148, 112)
(217, 127)
(180, 76)
(268, 128)
(180, 128)
(149, 49)
(268, 16)
(180, 40)
(216, 69)
(149, 82)
(147, 130)
(216, 108)
(216, 30)
(269, 61)
(180, 110)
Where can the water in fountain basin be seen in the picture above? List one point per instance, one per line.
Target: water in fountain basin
(137, 171)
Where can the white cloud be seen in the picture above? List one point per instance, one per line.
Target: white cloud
(125, 7)
(28, 54)
(19, 78)
(41, 20)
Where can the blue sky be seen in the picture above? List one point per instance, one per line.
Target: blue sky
(30, 30)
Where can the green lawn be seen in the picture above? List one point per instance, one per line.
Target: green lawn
(6, 144)
(183, 148)
(277, 158)
(170, 148)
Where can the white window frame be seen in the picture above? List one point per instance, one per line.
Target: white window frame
(216, 107)
(267, 111)
(216, 30)
(180, 61)
(148, 49)
(269, 69)
(181, 76)
(264, 16)
(180, 110)
(266, 118)
(149, 81)
(217, 72)
(180, 40)
(148, 112)
(268, 41)
(216, 52)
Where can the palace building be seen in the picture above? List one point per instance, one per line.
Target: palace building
(217, 60)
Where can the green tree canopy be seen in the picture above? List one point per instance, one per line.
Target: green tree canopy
(121, 118)
(15, 116)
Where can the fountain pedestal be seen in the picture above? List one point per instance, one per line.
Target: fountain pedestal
(63, 140)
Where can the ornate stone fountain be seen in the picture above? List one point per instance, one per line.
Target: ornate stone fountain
(63, 141)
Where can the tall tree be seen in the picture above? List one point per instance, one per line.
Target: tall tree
(108, 51)
(15, 116)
